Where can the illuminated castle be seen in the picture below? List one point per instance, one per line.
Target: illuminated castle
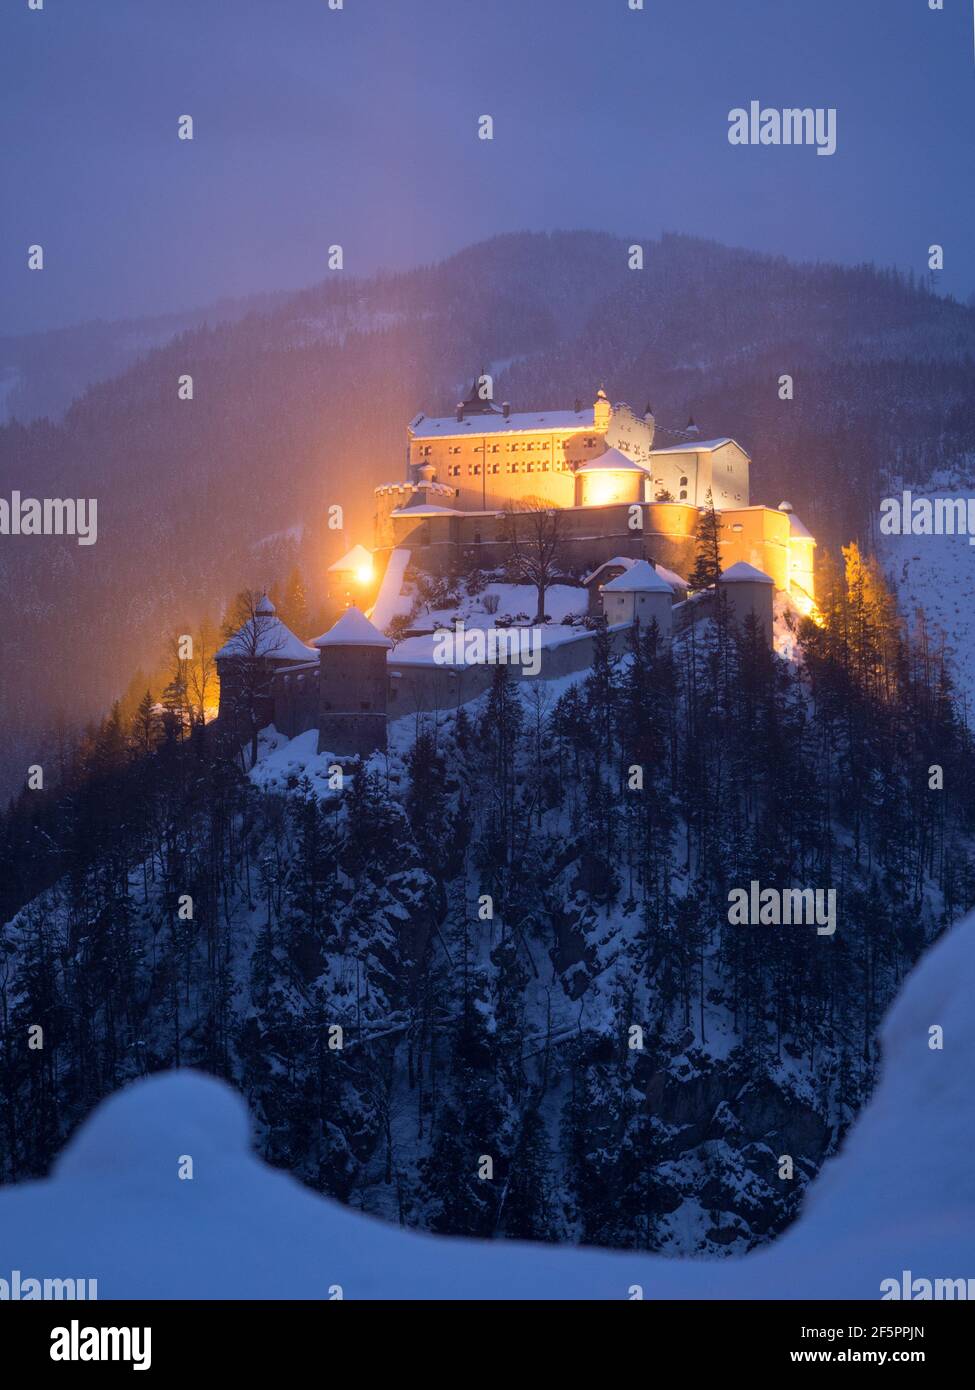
(628, 515)
(620, 495)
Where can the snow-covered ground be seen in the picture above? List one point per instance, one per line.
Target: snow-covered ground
(900, 1196)
(514, 602)
(937, 575)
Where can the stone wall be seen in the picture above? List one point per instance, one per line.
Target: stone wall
(422, 688)
(591, 535)
(295, 699)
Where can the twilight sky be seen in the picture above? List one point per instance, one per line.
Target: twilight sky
(359, 126)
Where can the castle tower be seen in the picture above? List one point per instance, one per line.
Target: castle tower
(750, 592)
(602, 411)
(352, 686)
(247, 663)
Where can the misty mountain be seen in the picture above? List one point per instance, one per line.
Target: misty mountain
(42, 373)
(304, 404)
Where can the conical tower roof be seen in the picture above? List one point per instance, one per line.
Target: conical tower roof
(353, 629)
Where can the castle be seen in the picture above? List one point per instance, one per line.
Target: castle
(619, 495)
(628, 514)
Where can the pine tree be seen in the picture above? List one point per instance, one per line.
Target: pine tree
(707, 563)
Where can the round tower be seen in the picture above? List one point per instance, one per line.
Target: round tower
(750, 592)
(352, 686)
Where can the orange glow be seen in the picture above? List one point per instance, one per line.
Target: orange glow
(364, 574)
(806, 605)
(608, 488)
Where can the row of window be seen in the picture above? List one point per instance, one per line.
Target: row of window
(474, 469)
(529, 447)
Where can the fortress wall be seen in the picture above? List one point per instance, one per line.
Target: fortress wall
(422, 688)
(590, 536)
(295, 699)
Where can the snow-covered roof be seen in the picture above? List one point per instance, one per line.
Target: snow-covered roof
(797, 529)
(405, 485)
(743, 573)
(641, 577)
(431, 509)
(623, 561)
(352, 560)
(270, 639)
(700, 446)
(612, 461)
(353, 629)
(526, 422)
(674, 580)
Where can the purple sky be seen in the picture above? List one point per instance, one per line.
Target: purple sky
(359, 127)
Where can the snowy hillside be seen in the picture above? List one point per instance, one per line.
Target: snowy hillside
(517, 919)
(936, 575)
(901, 1195)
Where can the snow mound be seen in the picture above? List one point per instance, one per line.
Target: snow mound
(900, 1196)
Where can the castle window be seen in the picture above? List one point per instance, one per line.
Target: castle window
(683, 482)
(476, 470)
(425, 451)
(364, 704)
(495, 448)
(477, 538)
(683, 495)
(529, 466)
(544, 466)
(529, 446)
(454, 470)
(590, 443)
(495, 468)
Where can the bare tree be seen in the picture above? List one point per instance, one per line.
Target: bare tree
(202, 674)
(253, 636)
(533, 532)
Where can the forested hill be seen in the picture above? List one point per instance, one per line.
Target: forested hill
(509, 1032)
(306, 406)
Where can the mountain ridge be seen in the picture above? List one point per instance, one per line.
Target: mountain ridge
(306, 406)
